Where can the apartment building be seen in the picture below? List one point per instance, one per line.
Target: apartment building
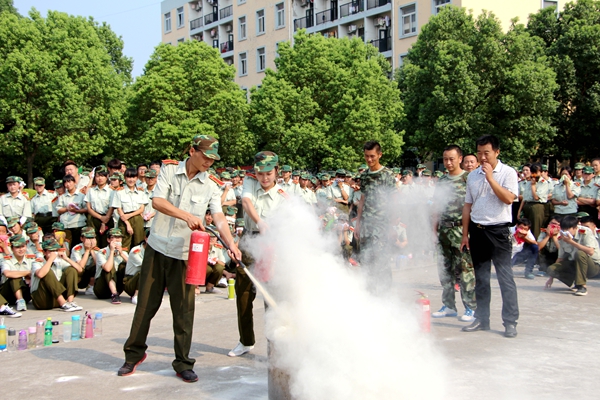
(248, 32)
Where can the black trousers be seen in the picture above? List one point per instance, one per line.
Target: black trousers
(492, 243)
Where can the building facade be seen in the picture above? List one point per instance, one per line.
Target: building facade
(248, 32)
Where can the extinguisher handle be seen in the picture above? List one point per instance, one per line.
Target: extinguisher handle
(224, 244)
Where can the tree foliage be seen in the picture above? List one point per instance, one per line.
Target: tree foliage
(61, 96)
(464, 78)
(326, 99)
(572, 40)
(8, 6)
(186, 90)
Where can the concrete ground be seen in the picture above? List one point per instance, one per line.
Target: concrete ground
(554, 356)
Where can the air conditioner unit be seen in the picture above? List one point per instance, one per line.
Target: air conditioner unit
(228, 28)
(198, 6)
(351, 28)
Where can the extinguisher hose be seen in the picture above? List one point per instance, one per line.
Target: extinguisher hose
(268, 298)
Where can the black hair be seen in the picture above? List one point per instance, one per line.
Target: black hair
(535, 167)
(454, 147)
(372, 145)
(556, 217)
(131, 173)
(488, 139)
(155, 163)
(568, 222)
(114, 164)
(524, 222)
(585, 220)
(67, 163)
(208, 212)
(141, 165)
(471, 154)
(566, 168)
(68, 178)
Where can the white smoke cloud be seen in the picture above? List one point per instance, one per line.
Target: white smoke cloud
(334, 338)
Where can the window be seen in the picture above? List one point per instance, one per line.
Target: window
(279, 15)
(167, 22)
(260, 22)
(241, 1)
(242, 26)
(408, 21)
(180, 18)
(180, 40)
(402, 59)
(549, 3)
(438, 5)
(243, 64)
(261, 60)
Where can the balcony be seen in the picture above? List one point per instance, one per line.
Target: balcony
(210, 18)
(382, 45)
(326, 16)
(303, 23)
(352, 8)
(226, 46)
(226, 12)
(377, 3)
(196, 23)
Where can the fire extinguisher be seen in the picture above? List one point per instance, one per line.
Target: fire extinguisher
(425, 308)
(198, 257)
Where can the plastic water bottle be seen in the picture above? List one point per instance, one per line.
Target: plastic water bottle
(33, 336)
(22, 339)
(231, 289)
(98, 325)
(75, 320)
(12, 340)
(82, 328)
(2, 335)
(89, 327)
(67, 331)
(38, 339)
(55, 332)
(48, 332)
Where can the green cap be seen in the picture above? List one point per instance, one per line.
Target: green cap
(304, 175)
(325, 177)
(39, 181)
(58, 184)
(296, 173)
(150, 173)
(12, 179)
(286, 168)
(50, 245)
(25, 225)
(234, 173)
(32, 228)
(582, 214)
(225, 175)
(544, 167)
(340, 171)
(12, 221)
(314, 181)
(265, 161)
(118, 176)
(362, 166)
(421, 166)
(588, 170)
(17, 241)
(427, 173)
(407, 172)
(579, 165)
(230, 210)
(88, 232)
(438, 174)
(241, 173)
(240, 222)
(396, 170)
(208, 145)
(101, 169)
(115, 232)
(58, 226)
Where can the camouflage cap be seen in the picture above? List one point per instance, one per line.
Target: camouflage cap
(151, 173)
(12, 221)
(340, 171)
(101, 169)
(427, 173)
(225, 175)
(304, 175)
(349, 174)
(588, 170)
(286, 168)
(234, 174)
(362, 166)
(31, 228)
(407, 172)
(240, 222)
(230, 210)
(118, 176)
(12, 179)
(115, 232)
(50, 245)
(582, 214)
(25, 225)
(88, 232)
(421, 166)
(314, 181)
(438, 174)
(579, 165)
(39, 181)
(58, 184)
(241, 173)
(265, 161)
(17, 241)
(296, 173)
(544, 167)
(208, 145)
(58, 226)
(325, 177)
(396, 170)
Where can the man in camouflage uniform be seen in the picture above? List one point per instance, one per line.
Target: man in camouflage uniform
(450, 198)
(373, 229)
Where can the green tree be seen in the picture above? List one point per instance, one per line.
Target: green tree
(186, 90)
(464, 78)
(8, 5)
(61, 96)
(326, 99)
(572, 41)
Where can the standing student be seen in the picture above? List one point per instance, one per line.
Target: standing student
(41, 205)
(491, 189)
(97, 199)
(129, 203)
(72, 209)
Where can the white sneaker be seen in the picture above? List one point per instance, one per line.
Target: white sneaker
(89, 291)
(75, 306)
(222, 282)
(134, 300)
(21, 305)
(67, 307)
(9, 312)
(469, 315)
(444, 312)
(214, 290)
(239, 350)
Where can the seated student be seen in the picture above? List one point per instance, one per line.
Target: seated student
(15, 227)
(16, 274)
(34, 243)
(131, 281)
(578, 256)
(4, 239)
(58, 229)
(524, 246)
(54, 280)
(86, 254)
(110, 268)
(215, 266)
(548, 244)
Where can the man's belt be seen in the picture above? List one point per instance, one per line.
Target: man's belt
(46, 214)
(450, 224)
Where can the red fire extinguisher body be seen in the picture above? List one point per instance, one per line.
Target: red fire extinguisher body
(198, 258)
(425, 314)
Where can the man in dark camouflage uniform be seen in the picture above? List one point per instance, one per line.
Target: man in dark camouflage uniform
(450, 198)
(374, 229)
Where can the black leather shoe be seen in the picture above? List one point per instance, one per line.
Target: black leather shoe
(510, 330)
(477, 325)
(188, 376)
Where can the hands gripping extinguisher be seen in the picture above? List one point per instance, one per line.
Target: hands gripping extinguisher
(198, 257)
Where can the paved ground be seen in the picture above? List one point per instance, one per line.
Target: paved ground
(555, 355)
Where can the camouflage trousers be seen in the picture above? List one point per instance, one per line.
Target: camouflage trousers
(455, 262)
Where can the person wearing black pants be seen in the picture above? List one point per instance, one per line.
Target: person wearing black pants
(491, 190)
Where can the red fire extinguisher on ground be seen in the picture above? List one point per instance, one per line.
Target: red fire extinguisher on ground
(425, 311)
(198, 257)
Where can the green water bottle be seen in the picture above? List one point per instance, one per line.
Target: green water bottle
(48, 332)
